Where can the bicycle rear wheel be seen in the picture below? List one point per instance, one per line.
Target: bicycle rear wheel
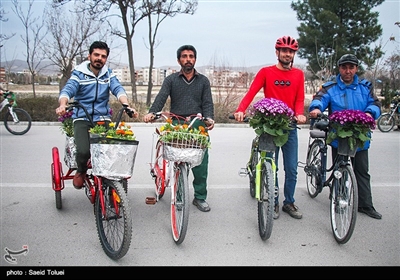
(266, 202)
(180, 204)
(159, 170)
(385, 122)
(313, 168)
(114, 227)
(344, 204)
(22, 126)
(56, 175)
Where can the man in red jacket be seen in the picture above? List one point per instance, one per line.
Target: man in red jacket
(286, 83)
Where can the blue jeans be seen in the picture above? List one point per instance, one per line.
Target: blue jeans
(290, 158)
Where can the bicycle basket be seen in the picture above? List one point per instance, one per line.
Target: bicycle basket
(184, 147)
(113, 159)
(266, 142)
(70, 152)
(344, 147)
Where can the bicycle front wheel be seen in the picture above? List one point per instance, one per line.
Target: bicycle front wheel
(180, 204)
(266, 202)
(114, 225)
(385, 122)
(344, 204)
(18, 124)
(313, 168)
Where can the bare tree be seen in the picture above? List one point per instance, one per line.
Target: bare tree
(32, 39)
(160, 10)
(3, 18)
(70, 36)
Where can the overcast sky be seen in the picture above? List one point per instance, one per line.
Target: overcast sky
(224, 32)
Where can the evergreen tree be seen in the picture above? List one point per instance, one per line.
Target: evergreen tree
(328, 29)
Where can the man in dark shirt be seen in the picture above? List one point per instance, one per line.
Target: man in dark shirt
(190, 94)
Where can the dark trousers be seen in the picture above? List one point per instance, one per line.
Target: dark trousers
(200, 174)
(360, 165)
(82, 142)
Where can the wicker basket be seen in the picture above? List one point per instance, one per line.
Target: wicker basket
(184, 147)
(111, 158)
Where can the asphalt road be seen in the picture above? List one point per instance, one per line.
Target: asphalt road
(225, 236)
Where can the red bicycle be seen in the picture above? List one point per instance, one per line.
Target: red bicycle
(178, 147)
(105, 186)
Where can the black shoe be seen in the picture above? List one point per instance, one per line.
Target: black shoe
(370, 211)
(201, 204)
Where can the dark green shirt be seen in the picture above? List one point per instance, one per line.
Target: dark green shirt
(187, 97)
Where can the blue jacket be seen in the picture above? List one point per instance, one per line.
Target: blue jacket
(92, 92)
(337, 96)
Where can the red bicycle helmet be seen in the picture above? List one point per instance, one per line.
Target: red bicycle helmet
(287, 42)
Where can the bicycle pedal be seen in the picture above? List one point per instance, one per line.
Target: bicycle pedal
(151, 200)
(243, 172)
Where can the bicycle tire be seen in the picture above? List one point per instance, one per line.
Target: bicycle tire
(344, 204)
(251, 168)
(180, 204)
(115, 227)
(266, 202)
(313, 168)
(21, 127)
(160, 169)
(56, 174)
(386, 122)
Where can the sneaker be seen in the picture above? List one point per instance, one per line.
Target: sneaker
(78, 180)
(276, 212)
(201, 204)
(370, 211)
(292, 210)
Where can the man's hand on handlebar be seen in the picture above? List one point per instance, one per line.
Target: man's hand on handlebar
(314, 113)
(149, 117)
(239, 116)
(209, 123)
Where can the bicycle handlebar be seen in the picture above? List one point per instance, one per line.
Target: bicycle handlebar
(190, 119)
(125, 108)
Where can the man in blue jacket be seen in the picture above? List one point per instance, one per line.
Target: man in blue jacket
(348, 92)
(90, 84)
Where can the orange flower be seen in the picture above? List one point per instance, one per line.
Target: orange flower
(101, 123)
(169, 120)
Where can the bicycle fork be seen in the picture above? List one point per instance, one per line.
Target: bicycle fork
(258, 175)
(12, 113)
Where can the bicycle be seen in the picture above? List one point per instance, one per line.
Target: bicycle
(17, 121)
(105, 185)
(176, 152)
(343, 191)
(261, 169)
(387, 121)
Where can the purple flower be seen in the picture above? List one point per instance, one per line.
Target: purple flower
(353, 118)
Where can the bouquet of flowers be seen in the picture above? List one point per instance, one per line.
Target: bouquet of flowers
(67, 126)
(122, 132)
(352, 124)
(181, 133)
(273, 117)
